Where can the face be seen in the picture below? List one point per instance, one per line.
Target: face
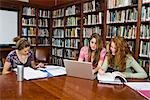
(113, 48)
(93, 44)
(25, 51)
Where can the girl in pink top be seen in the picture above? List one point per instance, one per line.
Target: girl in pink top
(94, 53)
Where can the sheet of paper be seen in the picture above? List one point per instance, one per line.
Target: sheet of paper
(57, 71)
(139, 85)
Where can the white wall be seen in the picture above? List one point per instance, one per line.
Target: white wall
(8, 26)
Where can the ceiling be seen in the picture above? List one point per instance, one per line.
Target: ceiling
(51, 3)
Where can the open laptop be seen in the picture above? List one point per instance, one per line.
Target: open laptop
(79, 69)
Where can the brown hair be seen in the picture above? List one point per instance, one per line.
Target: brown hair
(98, 49)
(21, 43)
(122, 50)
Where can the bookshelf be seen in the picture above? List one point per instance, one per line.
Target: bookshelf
(72, 31)
(144, 36)
(57, 36)
(36, 26)
(121, 20)
(92, 19)
(131, 19)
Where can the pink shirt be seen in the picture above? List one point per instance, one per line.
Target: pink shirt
(84, 54)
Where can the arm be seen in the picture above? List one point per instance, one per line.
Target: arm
(140, 73)
(81, 56)
(6, 68)
(33, 65)
(102, 57)
(105, 64)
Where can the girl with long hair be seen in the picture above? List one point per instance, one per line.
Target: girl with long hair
(120, 59)
(94, 53)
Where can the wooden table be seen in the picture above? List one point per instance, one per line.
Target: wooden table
(63, 88)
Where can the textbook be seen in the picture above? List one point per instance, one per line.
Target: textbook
(111, 78)
(141, 87)
(48, 71)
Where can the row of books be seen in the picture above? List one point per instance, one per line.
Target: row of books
(93, 19)
(58, 33)
(43, 32)
(32, 40)
(124, 31)
(87, 32)
(73, 32)
(144, 49)
(29, 11)
(145, 16)
(43, 23)
(58, 22)
(28, 22)
(44, 41)
(44, 13)
(71, 54)
(91, 6)
(57, 42)
(58, 13)
(57, 61)
(145, 32)
(28, 31)
(120, 3)
(72, 10)
(72, 43)
(145, 63)
(57, 52)
(73, 21)
(121, 16)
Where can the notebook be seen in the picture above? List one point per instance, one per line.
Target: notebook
(49, 71)
(79, 69)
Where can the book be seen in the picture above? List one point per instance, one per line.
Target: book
(141, 87)
(111, 78)
(53, 70)
(48, 71)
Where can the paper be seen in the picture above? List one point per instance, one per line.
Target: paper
(54, 70)
(141, 87)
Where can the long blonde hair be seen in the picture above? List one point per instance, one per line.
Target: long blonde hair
(98, 49)
(122, 50)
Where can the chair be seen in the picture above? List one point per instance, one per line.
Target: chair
(42, 55)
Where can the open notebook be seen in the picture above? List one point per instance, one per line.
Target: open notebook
(111, 78)
(49, 71)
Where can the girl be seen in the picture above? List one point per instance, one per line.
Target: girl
(94, 53)
(120, 59)
(22, 55)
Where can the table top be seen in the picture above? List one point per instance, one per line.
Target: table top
(63, 88)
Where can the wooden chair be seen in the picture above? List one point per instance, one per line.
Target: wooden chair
(42, 55)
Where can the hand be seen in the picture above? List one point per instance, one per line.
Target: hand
(40, 65)
(101, 72)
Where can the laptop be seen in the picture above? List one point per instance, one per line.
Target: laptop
(79, 69)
